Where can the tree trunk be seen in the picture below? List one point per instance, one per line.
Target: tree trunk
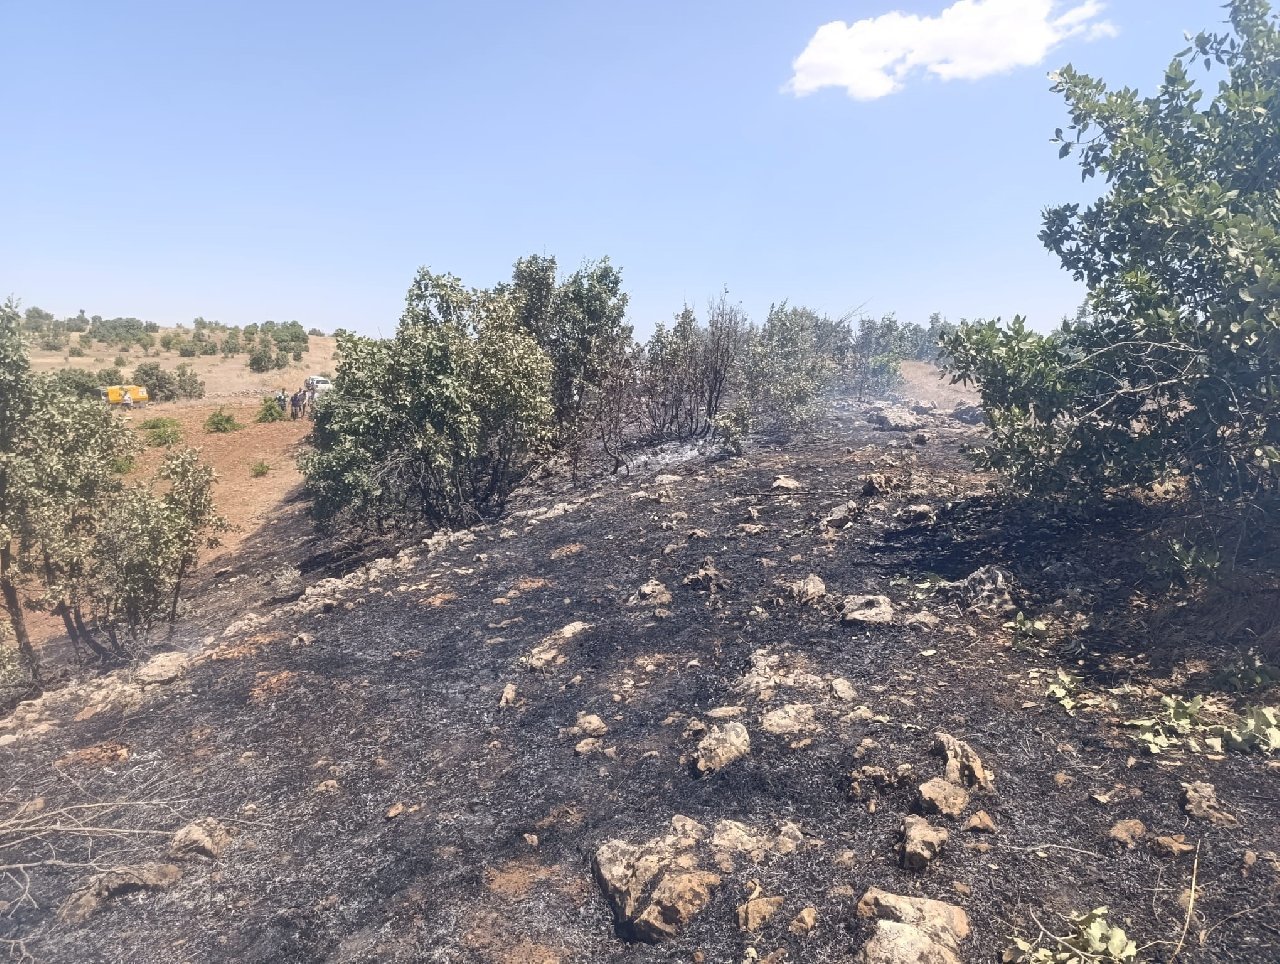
(85, 636)
(13, 605)
(177, 590)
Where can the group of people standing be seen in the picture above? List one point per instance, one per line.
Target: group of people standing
(299, 404)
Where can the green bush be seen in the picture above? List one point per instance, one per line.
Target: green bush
(77, 383)
(438, 423)
(118, 361)
(1172, 371)
(580, 325)
(162, 432)
(221, 421)
(270, 411)
(262, 358)
(789, 364)
(168, 386)
(260, 468)
(686, 371)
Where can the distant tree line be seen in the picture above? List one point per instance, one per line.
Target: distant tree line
(268, 345)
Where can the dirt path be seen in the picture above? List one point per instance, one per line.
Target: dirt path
(390, 798)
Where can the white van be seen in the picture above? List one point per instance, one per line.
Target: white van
(318, 384)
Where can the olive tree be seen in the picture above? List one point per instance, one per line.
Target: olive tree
(1175, 367)
(438, 423)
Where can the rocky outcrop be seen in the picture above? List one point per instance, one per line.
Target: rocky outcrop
(788, 720)
(755, 912)
(165, 668)
(205, 838)
(988, 589)
(963, 765)
(911, 930)
(895, 420)
(655, 888)
(722, 746)
(115, 883)
(548, 652)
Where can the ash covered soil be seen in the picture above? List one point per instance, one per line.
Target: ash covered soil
(524, 743)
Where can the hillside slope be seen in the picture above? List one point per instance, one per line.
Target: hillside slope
(427, 759)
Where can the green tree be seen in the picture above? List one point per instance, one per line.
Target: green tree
(1175, 369)
(17, 406)
(437, 423)
(790, 362)
(71, 484)
(580, 324)
(263, 357)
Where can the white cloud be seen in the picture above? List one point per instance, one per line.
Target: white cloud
(970, 39)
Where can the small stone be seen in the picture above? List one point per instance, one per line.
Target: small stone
(1201, 801)
(786, 483)
(1127, 833)
(722, 746)
(980, 822)
(842, 516)
(508, 695)
(588, 746)
(591, 725)
(938, 796)
(756, 912)
(963, 765)
(808, 590)
(876, 610)
(205, 838)
(961, 888)
(916, 515)
(921, 842)
(842, 689)
(652, 593)
(804, 922)
(1172, 846)
(846, 858)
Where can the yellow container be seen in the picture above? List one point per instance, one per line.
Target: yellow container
(114, 394)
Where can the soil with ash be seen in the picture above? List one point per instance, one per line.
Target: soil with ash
(387, 798)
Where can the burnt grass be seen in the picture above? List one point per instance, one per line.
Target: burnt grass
(303, 729)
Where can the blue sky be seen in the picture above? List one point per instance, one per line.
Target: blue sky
(253, 160)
